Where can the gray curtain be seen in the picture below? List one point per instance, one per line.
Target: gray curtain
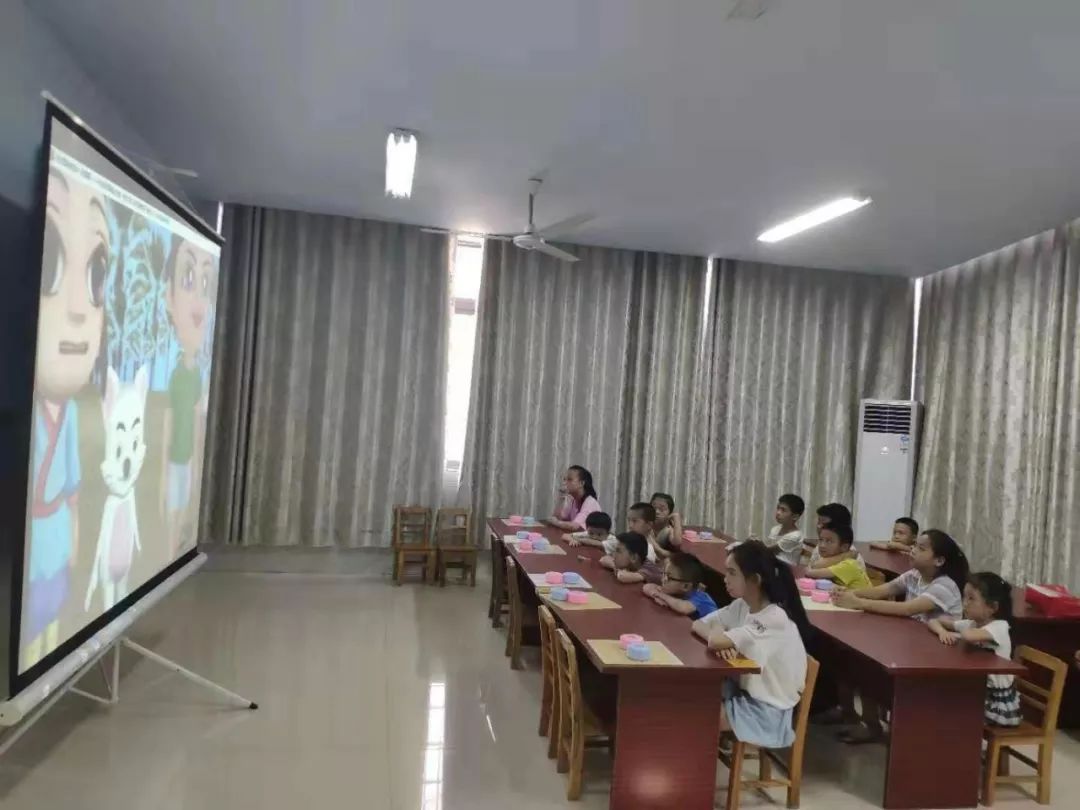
(329, 379)
(791, 353)
(589, 363)
(999, 370)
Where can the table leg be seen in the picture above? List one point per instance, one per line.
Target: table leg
(654, 708)
(935, 742)
(497, 585)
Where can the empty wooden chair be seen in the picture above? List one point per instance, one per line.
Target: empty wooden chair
(412, 541)
(1040, 708)
(790, 768)
(523, 622)
(578, 728)
(549, 699)
(453, 544)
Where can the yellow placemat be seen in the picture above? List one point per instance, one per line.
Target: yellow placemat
(612, 654)
(542, 585)
(743, 663)
(810, 604)
(548, 550)
(596, 602)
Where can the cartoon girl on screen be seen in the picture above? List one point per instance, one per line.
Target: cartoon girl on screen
(71, 321)
(190, 281)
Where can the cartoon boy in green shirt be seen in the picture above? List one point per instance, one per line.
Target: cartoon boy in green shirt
(190, 284)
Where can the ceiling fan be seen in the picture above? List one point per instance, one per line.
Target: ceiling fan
(533, 238)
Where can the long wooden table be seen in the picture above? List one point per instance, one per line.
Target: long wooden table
(1056, 636)
(667, 718)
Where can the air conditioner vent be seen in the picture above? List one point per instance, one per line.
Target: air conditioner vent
(883, 418)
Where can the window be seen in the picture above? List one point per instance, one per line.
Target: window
(465, 276)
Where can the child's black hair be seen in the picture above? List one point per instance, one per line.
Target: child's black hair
(663, 496)
(636, 544)
(689, 567)
(598, 520)
(911, 523)
(836, 514)
(956, 563)
(777, 581)
(586, 480)
(793, 502)
(648, 513)
(845, 534)
(994, 590)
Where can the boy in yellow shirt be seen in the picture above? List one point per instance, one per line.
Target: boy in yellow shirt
(835, 541)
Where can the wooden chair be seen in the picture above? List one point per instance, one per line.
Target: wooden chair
(412, 541)
(767, 758)
(549, 700)
(1040, 704)
(499, 601)
(522, 621)
(454, 546)
(578, 727)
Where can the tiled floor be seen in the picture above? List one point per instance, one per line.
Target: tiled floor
(372, 697)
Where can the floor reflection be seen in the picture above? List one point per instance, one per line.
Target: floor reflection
(431, 791)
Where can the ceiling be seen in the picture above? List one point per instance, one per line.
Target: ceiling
(680, 129)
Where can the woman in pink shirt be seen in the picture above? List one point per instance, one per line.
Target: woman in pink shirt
(577, 502)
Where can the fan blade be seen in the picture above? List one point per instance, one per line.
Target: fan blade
(565, 225)
(551, 250)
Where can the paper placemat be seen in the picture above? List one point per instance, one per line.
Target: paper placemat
(596, 602)
(541, 584)
(610, 653)
(810, 604)
(743, 663)
(522, 525)
(549, 550)
(703, 540)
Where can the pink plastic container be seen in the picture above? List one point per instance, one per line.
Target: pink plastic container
(577, 597)
(524, 545)
(805, 584)
(626, 639)
(535, 536)
(514, 519)
(553, 578)
(819, 596)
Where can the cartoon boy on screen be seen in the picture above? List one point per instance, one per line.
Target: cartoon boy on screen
(190, 285)
(71, 321)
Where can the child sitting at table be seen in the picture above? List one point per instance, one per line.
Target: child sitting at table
(904, 532)
(598, 535)
(834, 543)
(630, 561)
(680, 589)
(987, 613)
(786, 538)
(767, 623)
(640, 519)
(931, 590)
(668, 526)
(830, 514)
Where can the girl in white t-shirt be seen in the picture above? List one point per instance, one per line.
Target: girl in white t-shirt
(987, 612)
(767, 623)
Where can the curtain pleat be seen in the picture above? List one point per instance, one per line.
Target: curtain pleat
(997, 368)
(330, 390)
(792, 351)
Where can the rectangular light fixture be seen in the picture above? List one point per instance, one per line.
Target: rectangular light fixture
(813, 218)
(400, 163)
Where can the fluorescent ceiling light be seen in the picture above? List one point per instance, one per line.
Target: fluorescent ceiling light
(400, 163)
(830, 210)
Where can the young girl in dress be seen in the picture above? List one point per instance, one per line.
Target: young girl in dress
(987, 613)
(767, 623)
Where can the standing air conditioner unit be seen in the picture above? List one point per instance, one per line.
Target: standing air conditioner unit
(885, 465)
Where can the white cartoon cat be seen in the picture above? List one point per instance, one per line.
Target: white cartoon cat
(124, 412)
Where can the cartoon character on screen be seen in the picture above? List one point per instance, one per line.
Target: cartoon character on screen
(77, 254)
(124, 414)
(190, 284)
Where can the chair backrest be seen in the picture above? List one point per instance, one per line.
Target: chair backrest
(1041, 705)
(452, 527)
(512, 583)
(570, 683)
(802, 716)
(412, 526)
(547, 645)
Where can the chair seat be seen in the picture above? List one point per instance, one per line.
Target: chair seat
(1025, 729)
(595, 726)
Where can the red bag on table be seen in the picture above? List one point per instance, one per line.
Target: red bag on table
(1053, 600)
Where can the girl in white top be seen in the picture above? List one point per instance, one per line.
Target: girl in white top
(767, 623)
(987, 611)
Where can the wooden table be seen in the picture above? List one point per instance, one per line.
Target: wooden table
(667, 718)
(936, 694)
(890, 563)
